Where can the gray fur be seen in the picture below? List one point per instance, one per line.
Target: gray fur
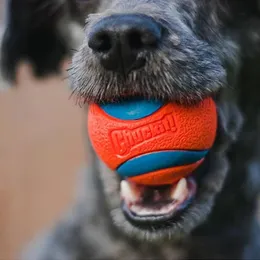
(212, 49)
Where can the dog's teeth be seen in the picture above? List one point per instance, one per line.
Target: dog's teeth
(180, 191)
(127, 192)
(142, 211)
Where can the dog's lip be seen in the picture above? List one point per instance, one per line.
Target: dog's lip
(164, 203)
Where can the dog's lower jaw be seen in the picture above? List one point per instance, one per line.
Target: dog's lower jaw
(216, 168)
(194, 216)
(199, 233)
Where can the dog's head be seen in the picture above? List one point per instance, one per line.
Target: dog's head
(173, 50)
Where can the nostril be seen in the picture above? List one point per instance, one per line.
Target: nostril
(135, 40)
(100, 42)
(138, 40)
(149, 39)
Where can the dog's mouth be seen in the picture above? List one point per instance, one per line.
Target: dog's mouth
(156, 205)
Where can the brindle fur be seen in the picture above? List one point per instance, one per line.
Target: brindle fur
(213, 49)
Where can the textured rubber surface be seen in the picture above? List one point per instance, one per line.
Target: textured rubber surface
(157, 161)
(172, 127)
(132, 109)
(165, 176)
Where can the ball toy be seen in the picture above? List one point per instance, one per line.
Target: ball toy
(152, 143)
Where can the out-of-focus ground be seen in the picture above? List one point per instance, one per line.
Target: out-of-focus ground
(41, 150)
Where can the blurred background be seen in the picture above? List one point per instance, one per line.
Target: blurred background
(41, 151)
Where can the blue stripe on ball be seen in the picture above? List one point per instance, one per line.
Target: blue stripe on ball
(157, 161)
(132, 109)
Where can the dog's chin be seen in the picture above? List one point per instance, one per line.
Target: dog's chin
(167, 211)
(156, 207)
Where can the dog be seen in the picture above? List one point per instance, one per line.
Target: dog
(176, 51)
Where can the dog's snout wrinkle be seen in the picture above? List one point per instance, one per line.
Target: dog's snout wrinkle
(119, 40)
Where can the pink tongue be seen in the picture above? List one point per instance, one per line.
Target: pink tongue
(157, 194)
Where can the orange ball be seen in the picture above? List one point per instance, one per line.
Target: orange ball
(151, 143)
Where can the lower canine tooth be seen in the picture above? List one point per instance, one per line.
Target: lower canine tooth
(180, 190)
(127, 192)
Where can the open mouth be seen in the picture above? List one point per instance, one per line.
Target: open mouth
(145, 205)
(155, 149)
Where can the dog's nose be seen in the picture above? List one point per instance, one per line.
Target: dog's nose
(121, 41)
